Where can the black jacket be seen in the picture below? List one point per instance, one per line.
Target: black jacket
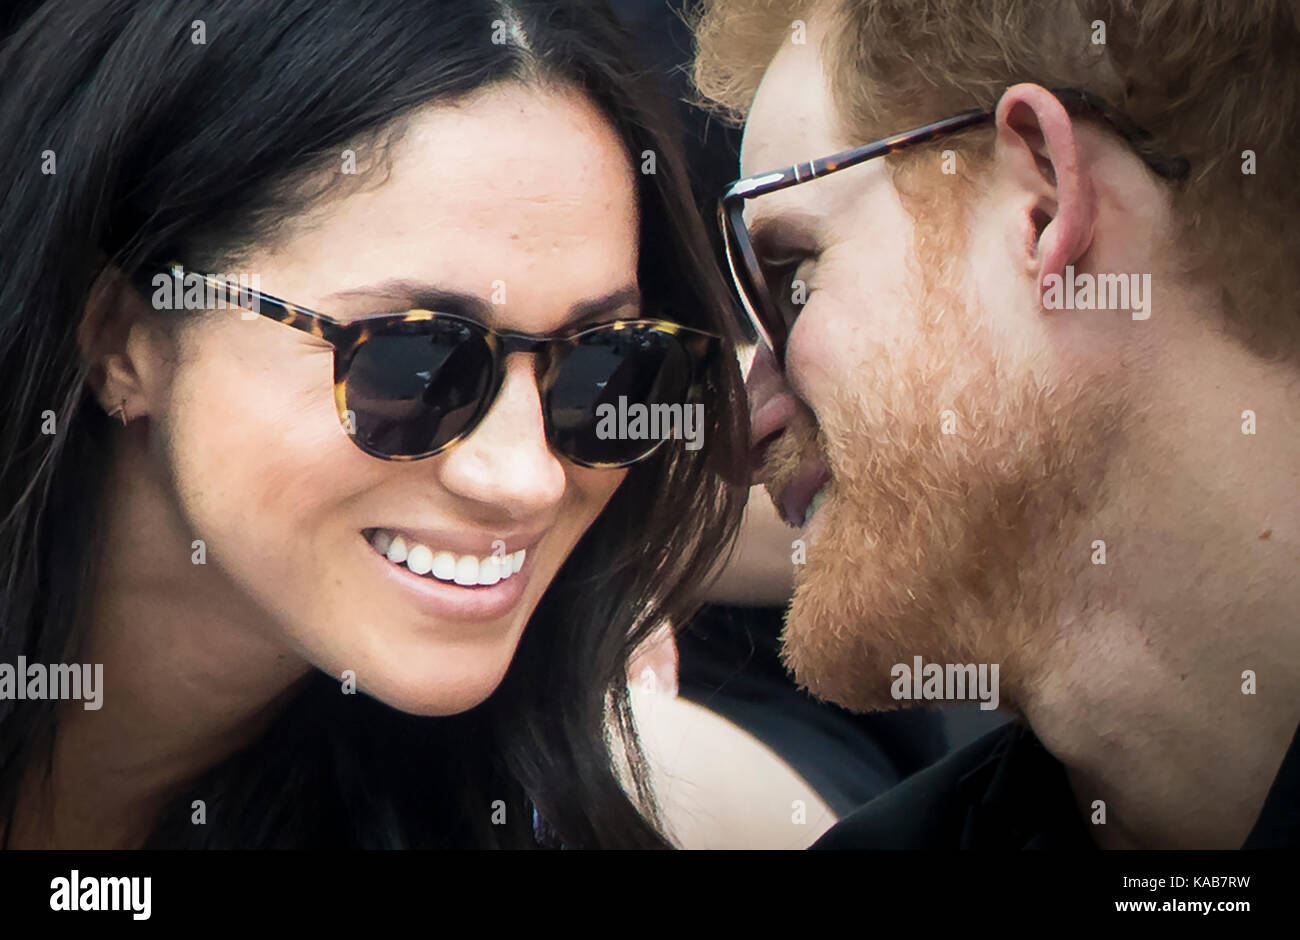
(1006, 791)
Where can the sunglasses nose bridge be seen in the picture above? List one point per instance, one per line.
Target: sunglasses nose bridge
(506, 344)
(504, 457)
(546, 365)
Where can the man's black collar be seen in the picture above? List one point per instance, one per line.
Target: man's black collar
(1020, 797)
(1007, 791)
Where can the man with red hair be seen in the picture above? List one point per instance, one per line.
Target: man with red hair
(1023, 278)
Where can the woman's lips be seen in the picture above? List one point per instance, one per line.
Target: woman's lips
(811, 476)
(401, 547)
(444, 600)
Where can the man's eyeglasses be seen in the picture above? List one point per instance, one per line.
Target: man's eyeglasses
(764, 314)
(410, 384)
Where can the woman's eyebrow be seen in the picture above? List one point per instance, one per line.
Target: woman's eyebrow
(591, 311)
(420, 295)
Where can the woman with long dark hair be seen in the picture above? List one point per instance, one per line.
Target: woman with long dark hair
(308, 312)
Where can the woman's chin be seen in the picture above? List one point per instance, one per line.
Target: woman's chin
(438, 692)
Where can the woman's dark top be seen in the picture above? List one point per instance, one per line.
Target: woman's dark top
(730, 664)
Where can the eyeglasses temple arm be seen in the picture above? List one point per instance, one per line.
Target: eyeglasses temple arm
(243, 297)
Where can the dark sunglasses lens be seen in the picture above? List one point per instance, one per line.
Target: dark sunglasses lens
(411, 393)
(609, 380)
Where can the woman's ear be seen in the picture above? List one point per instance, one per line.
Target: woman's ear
(1038, 153)
(108, 339)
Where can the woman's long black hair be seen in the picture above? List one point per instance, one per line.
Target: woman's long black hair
(166, 147)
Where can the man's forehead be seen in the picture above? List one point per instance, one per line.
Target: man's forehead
(791, 119)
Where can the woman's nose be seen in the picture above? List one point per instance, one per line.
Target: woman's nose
(507, 461)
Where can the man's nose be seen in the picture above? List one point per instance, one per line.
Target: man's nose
(771, 404)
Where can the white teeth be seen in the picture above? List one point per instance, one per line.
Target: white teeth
(419, 559)
(465, 570)
(489, 570)
(444, 566)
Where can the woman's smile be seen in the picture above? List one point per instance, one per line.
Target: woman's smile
(403, 547)
(450, 585)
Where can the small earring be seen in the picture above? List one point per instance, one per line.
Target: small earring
(119, 412)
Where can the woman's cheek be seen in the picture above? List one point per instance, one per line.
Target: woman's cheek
(252, 461)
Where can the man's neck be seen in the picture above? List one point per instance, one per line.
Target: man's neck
(1174, 692)
(1180, 759)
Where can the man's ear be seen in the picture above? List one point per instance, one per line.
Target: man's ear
(108, 340)
(1039, 153)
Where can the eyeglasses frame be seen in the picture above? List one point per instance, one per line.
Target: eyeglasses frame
(347, 337)
(731, 206)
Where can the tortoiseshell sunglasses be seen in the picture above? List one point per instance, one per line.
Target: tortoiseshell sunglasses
(411, 384)
(765, 317)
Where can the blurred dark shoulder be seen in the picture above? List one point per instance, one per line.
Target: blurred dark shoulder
(730, 663)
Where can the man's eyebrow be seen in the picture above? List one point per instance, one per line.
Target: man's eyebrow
(780, 234)
(419, 295)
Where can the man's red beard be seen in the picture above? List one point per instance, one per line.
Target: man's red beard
(958, 548)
